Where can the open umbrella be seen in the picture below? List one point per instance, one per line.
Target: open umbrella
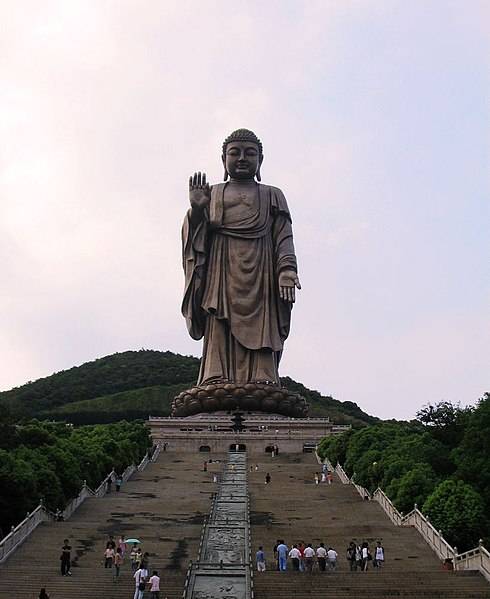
(133, 541)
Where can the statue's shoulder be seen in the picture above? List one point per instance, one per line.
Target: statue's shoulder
(271, 188)
(217, 187)
(278, 200)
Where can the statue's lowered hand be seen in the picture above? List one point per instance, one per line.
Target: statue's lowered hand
(199, 191)
(288, 280)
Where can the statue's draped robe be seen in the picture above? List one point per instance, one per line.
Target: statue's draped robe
(232, 260)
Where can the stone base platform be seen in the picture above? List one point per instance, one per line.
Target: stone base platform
(212, 433)
(264, 397)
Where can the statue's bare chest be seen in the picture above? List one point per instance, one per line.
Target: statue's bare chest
(236, 199)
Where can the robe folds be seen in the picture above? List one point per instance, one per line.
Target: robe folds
(232, 260)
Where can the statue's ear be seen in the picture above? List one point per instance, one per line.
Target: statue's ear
(223, 160)
(257, 174)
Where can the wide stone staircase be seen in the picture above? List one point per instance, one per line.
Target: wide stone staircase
(164, 506)
(292, 507)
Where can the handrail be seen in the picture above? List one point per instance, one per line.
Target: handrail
(474, 559)
(102, 489)
(24, 529)
(20, 532)
(342, 474)
(387, 505)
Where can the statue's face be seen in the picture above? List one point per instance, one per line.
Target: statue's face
(242, 159)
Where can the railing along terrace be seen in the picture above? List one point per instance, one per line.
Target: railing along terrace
(250, 418)
(281, 435)
(474, 559)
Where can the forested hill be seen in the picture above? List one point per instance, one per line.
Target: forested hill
(134, 384)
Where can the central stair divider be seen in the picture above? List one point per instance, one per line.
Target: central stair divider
(223, 569)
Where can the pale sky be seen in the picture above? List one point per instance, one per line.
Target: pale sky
(375, 120)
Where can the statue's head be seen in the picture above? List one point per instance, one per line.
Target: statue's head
(242, 155)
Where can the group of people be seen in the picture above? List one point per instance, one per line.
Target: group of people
(113, 559)
(118, 481)
(302, 557)
(114, 555)
(140, 568)
(360, 556)
(324, 477)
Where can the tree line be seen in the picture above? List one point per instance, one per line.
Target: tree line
(50, 461)
(440, 461)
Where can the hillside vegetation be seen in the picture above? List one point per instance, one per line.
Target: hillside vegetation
(441, 462)
(136, 384)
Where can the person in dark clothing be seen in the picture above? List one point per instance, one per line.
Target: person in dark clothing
(43, 594)
(111, 544)
(65, 558)
(276, 555)
(352, 556)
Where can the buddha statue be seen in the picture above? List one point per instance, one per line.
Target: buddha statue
(240, 285)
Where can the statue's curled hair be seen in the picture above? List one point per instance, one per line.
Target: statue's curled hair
(242, 135)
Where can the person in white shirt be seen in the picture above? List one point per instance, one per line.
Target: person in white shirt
(379, 555)
(294, 556)
(140, 577)
(154, 583)
(321, 556)
(365, 556)
(309, 554)
(332, 558)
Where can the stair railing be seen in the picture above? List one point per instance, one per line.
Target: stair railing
(24, 529)
(432, 536)
(342, 475)
(19, 533)
(474, 559)
(102, 489)
(128, 473)
(85, 492)
(388, 507)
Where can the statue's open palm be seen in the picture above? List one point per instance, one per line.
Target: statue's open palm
(288, 280)
(199, 191)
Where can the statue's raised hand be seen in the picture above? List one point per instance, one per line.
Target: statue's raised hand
(288, 280)
(199, 191)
